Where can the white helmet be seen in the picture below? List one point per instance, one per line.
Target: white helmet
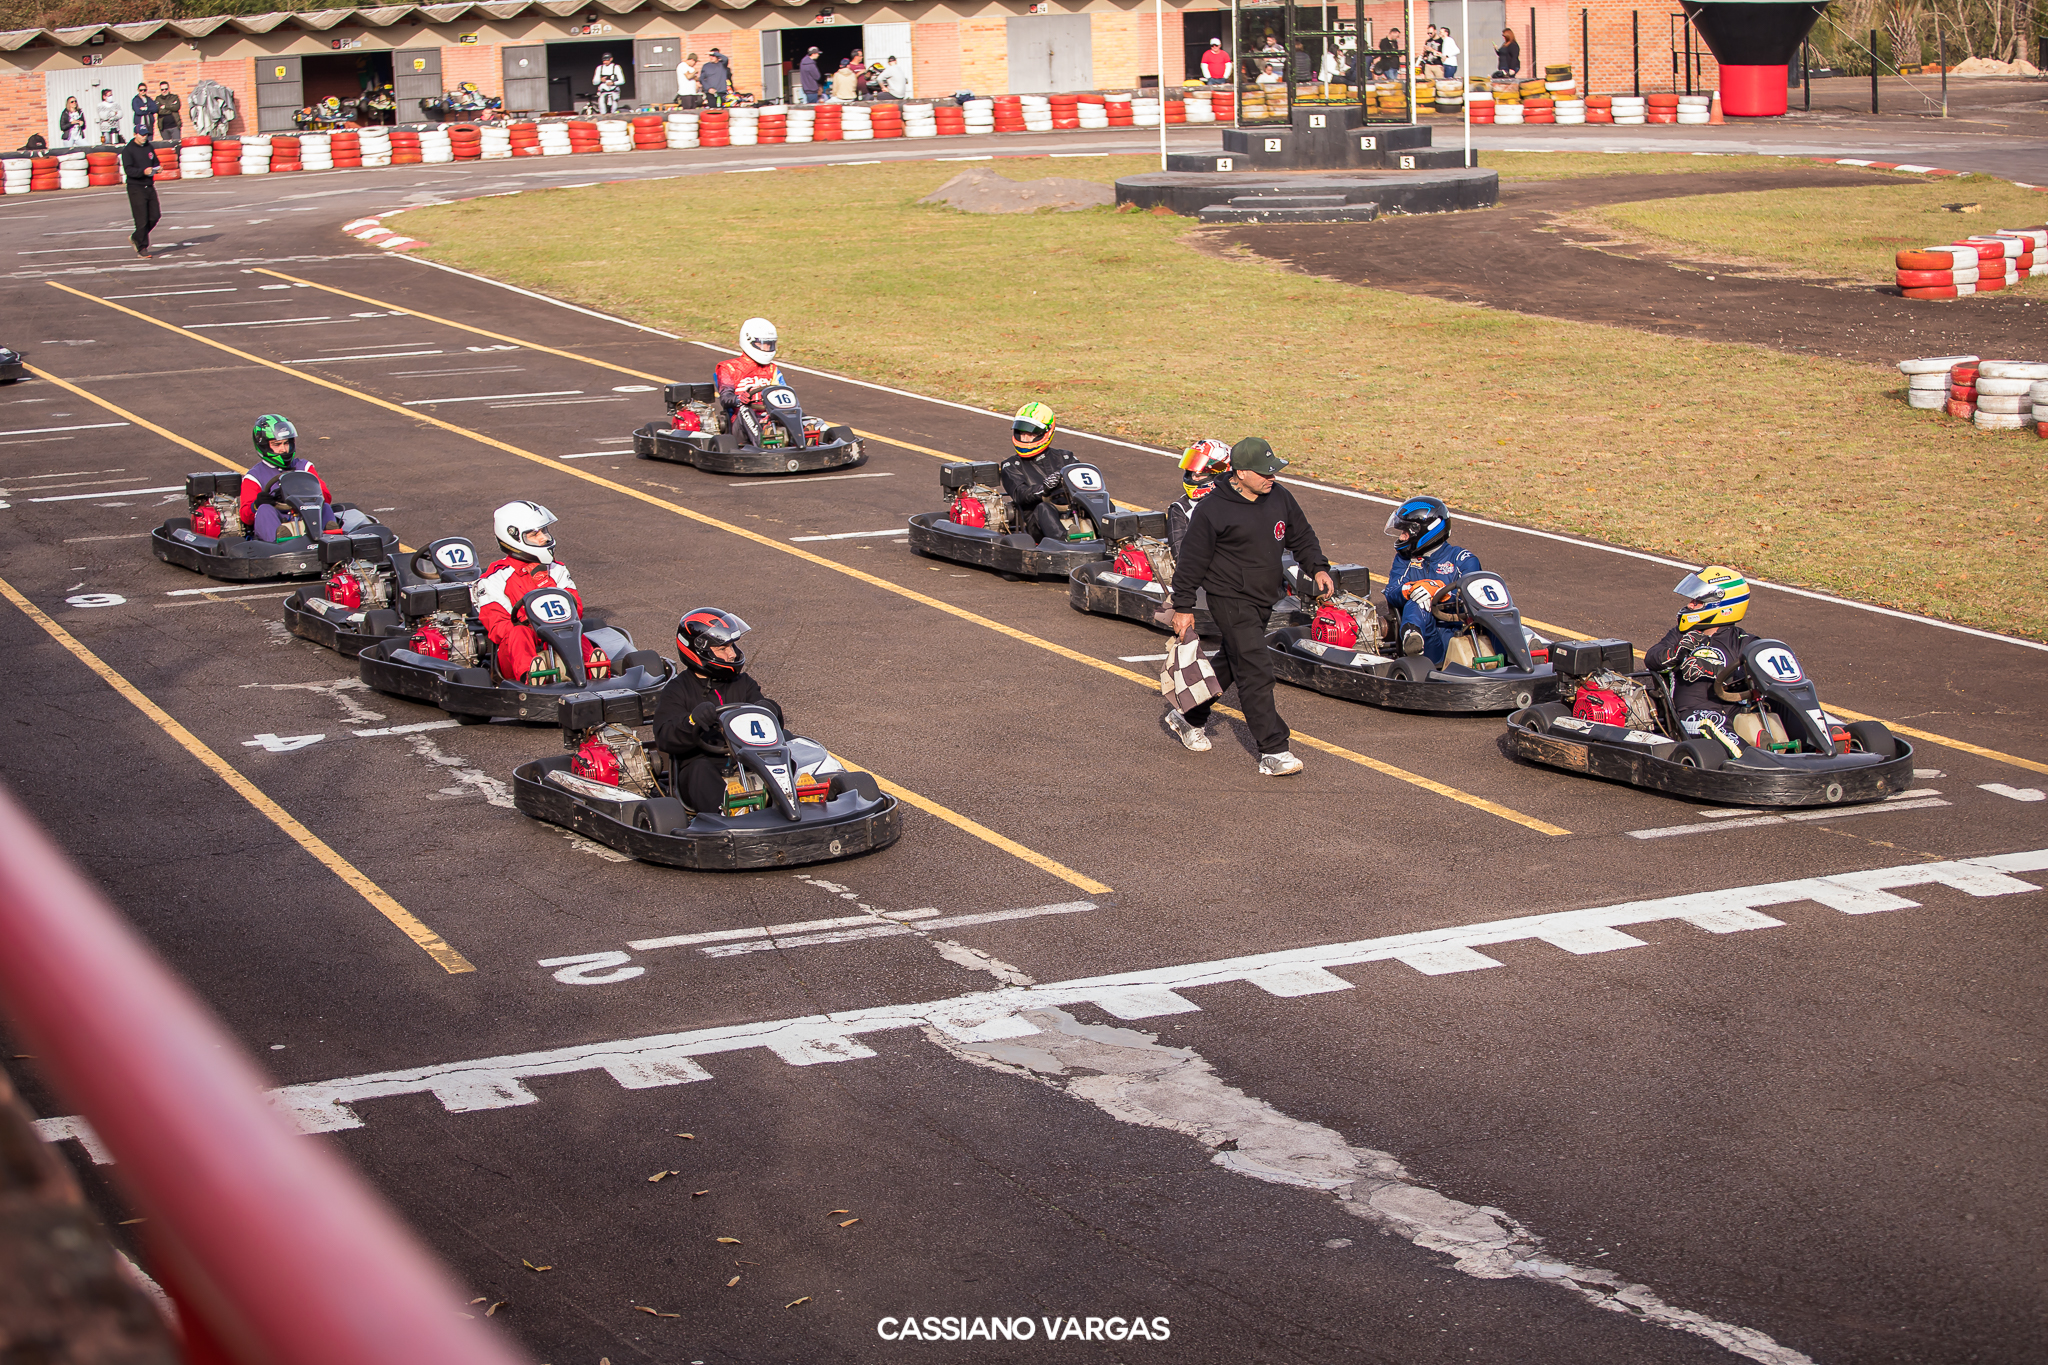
(515, 521)
(757, 340)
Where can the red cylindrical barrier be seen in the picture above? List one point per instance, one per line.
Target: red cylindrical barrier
(1753, 91)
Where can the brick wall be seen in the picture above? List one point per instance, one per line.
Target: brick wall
(1125, 46)
(21, 108)
(935, 59)
(985, 55)
(1613, 65)
(479, 62)
(238, 75)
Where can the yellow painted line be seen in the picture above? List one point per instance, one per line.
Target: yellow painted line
(983, 832)
(436, 947)
(1981, 752)
(1023, 637)
(123, 413)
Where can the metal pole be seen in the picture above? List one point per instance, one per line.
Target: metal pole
(1408, 43)
(1688, 56)
(1532, 42)
(1941, 37)
(1159, 40)
(1806, 70)
(1873, 71)
(1635, 38)
(1464, 78)
(1585, 55)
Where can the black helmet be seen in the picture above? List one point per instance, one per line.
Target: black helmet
(704, 627)
(1421, 525)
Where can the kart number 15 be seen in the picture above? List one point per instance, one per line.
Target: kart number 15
(1780, 665)
(553, 609)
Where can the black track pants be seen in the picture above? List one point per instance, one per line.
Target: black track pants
(142, 204)
(1243, 660)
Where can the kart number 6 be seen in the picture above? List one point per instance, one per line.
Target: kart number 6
(1491, 593)
(1780, 665)
(1085, 477)
(553, 609)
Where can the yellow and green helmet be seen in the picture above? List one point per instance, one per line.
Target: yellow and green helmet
(1715, 596)
(1031, 430)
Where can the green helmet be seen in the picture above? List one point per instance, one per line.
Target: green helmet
(271, 427)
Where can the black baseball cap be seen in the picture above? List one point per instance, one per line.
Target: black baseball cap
(1254, 454)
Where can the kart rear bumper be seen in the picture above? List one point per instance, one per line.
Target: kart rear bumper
(337, 632)
(846, 827)
(470, 691)
(12, 370)
(1839, 780)
(245, 561)
(656, 442)
(1096, 587)
(1443, 694)
(931, 533)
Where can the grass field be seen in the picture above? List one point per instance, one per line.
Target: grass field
(1850, 233)
(1573, 165)
(1794, 468)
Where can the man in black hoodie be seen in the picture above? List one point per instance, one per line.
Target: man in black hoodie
(1232, 551)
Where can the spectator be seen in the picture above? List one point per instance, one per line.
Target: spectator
(1216, 63)
(610, 79)
(107, 114)
(716, 77)
(72, 124)
(1389, 62)
(1270, 75)
(169, 116)
(1508, 56)
(1430, 63)
(688, 92)
(138, 169)
(896, 80)
(1304, 65)
(1331, 70)
(843, 83)
(1232, 553)
(142, 112)
(808, 77)
(1448, 46)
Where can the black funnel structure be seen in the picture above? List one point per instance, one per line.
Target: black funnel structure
(1753, 40)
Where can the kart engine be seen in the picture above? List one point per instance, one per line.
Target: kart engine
(1364, 619)
(613, 755)
(218, 515)
(983, 506)
(1602, 695)
(696, 416)
(1147, 557)
(360, 585)
(446, 635)
(814, 431)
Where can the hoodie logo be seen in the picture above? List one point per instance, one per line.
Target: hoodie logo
(1279, 530)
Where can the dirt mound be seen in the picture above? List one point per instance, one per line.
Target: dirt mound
(1988, 66)
(983, 191)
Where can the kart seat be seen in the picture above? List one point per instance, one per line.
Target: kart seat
(1759, 732)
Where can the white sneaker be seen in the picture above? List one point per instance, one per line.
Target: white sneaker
(1189, 733)
(1281, 764)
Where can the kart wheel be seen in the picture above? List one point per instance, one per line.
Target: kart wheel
(471, 720)
(661, 815)
(1873, 737)
(1535, 722)
(1699, 753)
(1412, 669)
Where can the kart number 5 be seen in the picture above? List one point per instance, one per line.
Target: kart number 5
(1085, 477)
(1780, 665)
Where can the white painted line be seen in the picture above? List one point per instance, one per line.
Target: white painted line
(386, 355)
(2014, 793)
(855, 535)
(752, 170)
(124, 493)
(221, 587)
(592, 454)
(1833, 813)
(490, 397)
(59, 250)
(1070, 156)
(771, 930)
(87, 426)
(173, 293)
(82, 540)
(557, 403)
(407, 729)
(874, 930)
(807, 478)
(266, 322)
(1917, 169)
(964, 158)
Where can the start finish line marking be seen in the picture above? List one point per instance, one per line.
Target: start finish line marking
(988, 1016)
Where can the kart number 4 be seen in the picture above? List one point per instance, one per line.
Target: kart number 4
(1085, 478)
(553, 609)
(1779, 665)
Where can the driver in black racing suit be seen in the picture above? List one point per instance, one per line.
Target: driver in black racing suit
(686, 718)
(1202, 465)
(1704, 644)
(1032, 475)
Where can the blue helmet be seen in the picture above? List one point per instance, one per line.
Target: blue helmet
(1421, 525)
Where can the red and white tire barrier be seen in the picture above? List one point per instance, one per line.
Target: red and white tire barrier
(2005, 394)
(1927, 379)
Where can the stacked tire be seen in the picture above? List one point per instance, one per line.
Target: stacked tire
(1938, 272)
(1962, 389)
(2003, 259)
(44, 173)
(1927, 379)
(1145, 113)
(650, 133)
(1037, 113)
(1450, 97)
(856, 123)
(2005, 394)
(17, 174)
(1539, 109)
(102, 168)
(492, 144)
(1661, 108)
(437, 147)
(1599, 108)
(1559, 83)
(1509, 111)
(715, 129)
(376, 145)
(1117, 109)
(739, 127)
(830, 125)
(682, 127)
(195, 158)
(1630, 109)
(316, 151)
(1065, 111)
(978, 117)
(803, 124)
(1570, 111)
(524, 138)
(74, 171)
(1198, 105)
(554, 139)
(1695, 109)
(1009, 114)
(1481, 104)
(285, 155)
(407, 147)
(920, 120)
(774, 126)
(950, 120)
(227, 156)
(583, 136)
(2040, 412)
(614, 135)
(346, 147)
(466, 141)
(886, 120)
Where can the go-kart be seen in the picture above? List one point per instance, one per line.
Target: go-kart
(12, 366)
(449, 662)
(377, 596)
(981, 524)
(768, 435)
(1138, 586)
(1351, 650)
(787, 802)
(211, 539)
(1780, 749)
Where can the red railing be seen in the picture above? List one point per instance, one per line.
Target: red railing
(275, 1250)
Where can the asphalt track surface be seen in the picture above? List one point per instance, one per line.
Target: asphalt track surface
(1815, 1130)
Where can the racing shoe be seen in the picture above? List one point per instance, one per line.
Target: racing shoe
(1282, 764)
(1192, 735)
(1411, 641)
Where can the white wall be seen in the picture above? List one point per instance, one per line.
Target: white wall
(880, 42)
(86, 82)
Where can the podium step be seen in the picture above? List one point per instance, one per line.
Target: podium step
(1253, 209)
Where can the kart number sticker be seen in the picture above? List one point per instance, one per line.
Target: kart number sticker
(457, 556)
(1779, 665)
(1085, 478)
(1489, 593)
(779, 398)
(757, 728)
(552, 609)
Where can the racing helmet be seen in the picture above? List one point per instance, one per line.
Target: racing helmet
(271, 427)
(1421, 525)
(699, 630)
(1715, 596)
(1031, 430)
(757, 340)
(1201, 465)
(515, 521)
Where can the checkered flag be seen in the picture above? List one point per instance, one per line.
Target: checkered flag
(1187, 680)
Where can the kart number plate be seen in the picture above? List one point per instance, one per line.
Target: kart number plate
(455, 557)
(779, 398)
(757, 728)
(1779, 665)
(1084, 478)
(552, 609)
(1489, 593)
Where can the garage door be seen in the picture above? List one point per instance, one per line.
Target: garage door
(526, 79)
(1051, 52)
(280, 93)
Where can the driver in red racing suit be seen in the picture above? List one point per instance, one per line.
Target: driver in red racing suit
(741, 379)
(529, 566)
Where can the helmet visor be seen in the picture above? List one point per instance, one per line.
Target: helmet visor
(1697, 589)
(1400, 527)
(721, 629)
(1028, 430)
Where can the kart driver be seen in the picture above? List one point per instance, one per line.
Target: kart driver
(1202, 465)
(741, 379)
(686, 718)
(276, 442)
(1703, 645)
(1426, 567)
(1033, 473)
(529, 566)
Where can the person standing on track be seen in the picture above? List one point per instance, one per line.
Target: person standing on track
(138, 169)
(1232, 552)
